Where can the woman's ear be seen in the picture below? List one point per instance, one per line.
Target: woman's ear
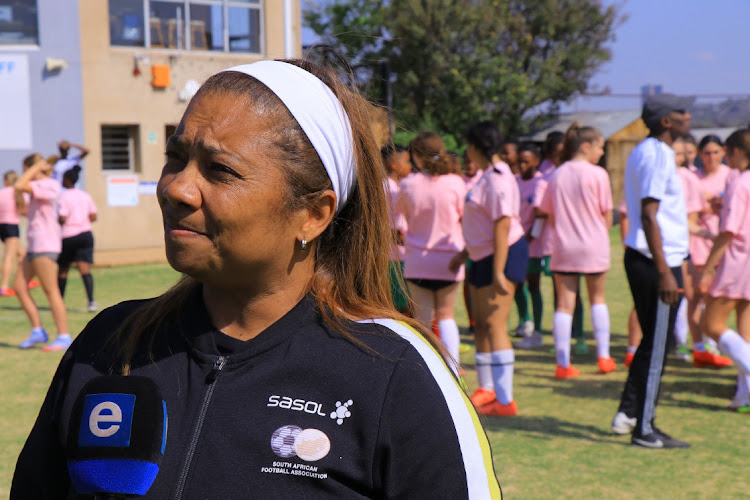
(318, 216)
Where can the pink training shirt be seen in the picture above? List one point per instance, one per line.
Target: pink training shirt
(8, 210)
(577, 197)
(397, 222)
(433, 207)
(711, 186)
(691, 186)
(472, 181)
(529, 202)
(542, 246)
(77, 207)
(732, 279)
(546, 167)
(44, 229)
(495, 196)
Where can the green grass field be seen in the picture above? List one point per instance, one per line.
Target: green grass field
(559, 446)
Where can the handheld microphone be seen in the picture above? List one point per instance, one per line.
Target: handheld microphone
(117, 435)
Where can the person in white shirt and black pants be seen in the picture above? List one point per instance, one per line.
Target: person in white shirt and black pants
(657, 243)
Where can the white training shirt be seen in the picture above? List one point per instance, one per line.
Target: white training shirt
(651, 172)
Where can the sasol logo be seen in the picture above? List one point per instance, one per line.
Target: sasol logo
(297, 405)
(107, 420)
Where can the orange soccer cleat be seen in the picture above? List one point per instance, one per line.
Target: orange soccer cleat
(629, 358)
(569, 372)
(709, 360)
(497, 409)
(482, 397)
(607, 365)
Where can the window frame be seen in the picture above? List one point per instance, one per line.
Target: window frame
(134, 147)
(27, 46)
(188, 45)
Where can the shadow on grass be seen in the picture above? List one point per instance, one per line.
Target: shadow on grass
(547, 427)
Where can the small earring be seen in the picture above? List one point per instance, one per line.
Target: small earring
(303, 245)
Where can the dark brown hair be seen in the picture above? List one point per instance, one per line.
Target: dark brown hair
(740, 139)
(351, 278)
(10, 178)
(575, 137)
(430, 149)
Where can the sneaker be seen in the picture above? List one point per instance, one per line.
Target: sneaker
(7, 292)
(36, 337)
(569, 372)
(682, 353)
(482, 396)
(497, 409)
(606, 365)
(33, 284)
(657, 439)
(622, 424)
(629, 358)
(710, 360)
(580, 347)
(525, 329)
(61, 343)
(92, 307)
(531, 342)
(739, 405)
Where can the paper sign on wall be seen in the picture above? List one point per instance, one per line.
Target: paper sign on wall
(122, 190)
(147, 187)
(15, 102)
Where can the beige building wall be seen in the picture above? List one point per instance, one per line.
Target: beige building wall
(113, 95)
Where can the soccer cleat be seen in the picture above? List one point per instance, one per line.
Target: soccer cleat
(482, 396)
(710, 360)
(657, 439)
(569, 372)
(606, 365)
(61, 343)
(7, 292)
(622, 424)
(497, 409)
(92, 307)
(531, 342)
(525, 329)
(33, 284)
(629, 358)
(36, 337)
(682, 353)
(580, 347)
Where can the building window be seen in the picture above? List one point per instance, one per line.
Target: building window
(18, 22)
(120, 147)
(200, 25)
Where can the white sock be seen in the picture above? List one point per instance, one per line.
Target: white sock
(450, 338)
(699, 346)
(734, 346)
(63, 335)
(600, 322)
(38, 329)
(502, 373)
(561, 325)
(632, 349)
(743, 386)
(483, 362)
(681, 327)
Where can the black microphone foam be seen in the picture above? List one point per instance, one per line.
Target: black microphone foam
(117, 435)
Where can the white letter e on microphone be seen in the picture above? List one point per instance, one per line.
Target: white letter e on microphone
(96, 418)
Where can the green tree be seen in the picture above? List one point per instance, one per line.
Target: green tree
(460, 61)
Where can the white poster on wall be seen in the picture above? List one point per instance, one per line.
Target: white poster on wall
(122, 190)
(15, 102)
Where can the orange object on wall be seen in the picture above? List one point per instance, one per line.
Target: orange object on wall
(160, 74)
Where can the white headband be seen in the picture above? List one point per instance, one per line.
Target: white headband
(320, 114)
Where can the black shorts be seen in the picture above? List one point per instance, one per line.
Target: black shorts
(480, 272)
(78, 248)
(8, 231)
(433, 285)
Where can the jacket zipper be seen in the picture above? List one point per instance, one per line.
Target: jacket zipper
(211, 381)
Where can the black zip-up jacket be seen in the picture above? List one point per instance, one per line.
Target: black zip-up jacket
(397, 422)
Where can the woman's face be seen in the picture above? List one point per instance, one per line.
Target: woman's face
(679, 153)
(527, 163)
(711, 156)
(476, 156)
(509, 154)
(735, 158)
(691, 153)
(221, 193)
(593, 151)
(470, 166)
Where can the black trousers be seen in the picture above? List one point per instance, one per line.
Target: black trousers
(657, 323)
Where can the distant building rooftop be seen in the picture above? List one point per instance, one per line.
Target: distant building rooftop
(608, 122)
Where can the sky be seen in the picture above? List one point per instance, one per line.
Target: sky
(692, 47)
